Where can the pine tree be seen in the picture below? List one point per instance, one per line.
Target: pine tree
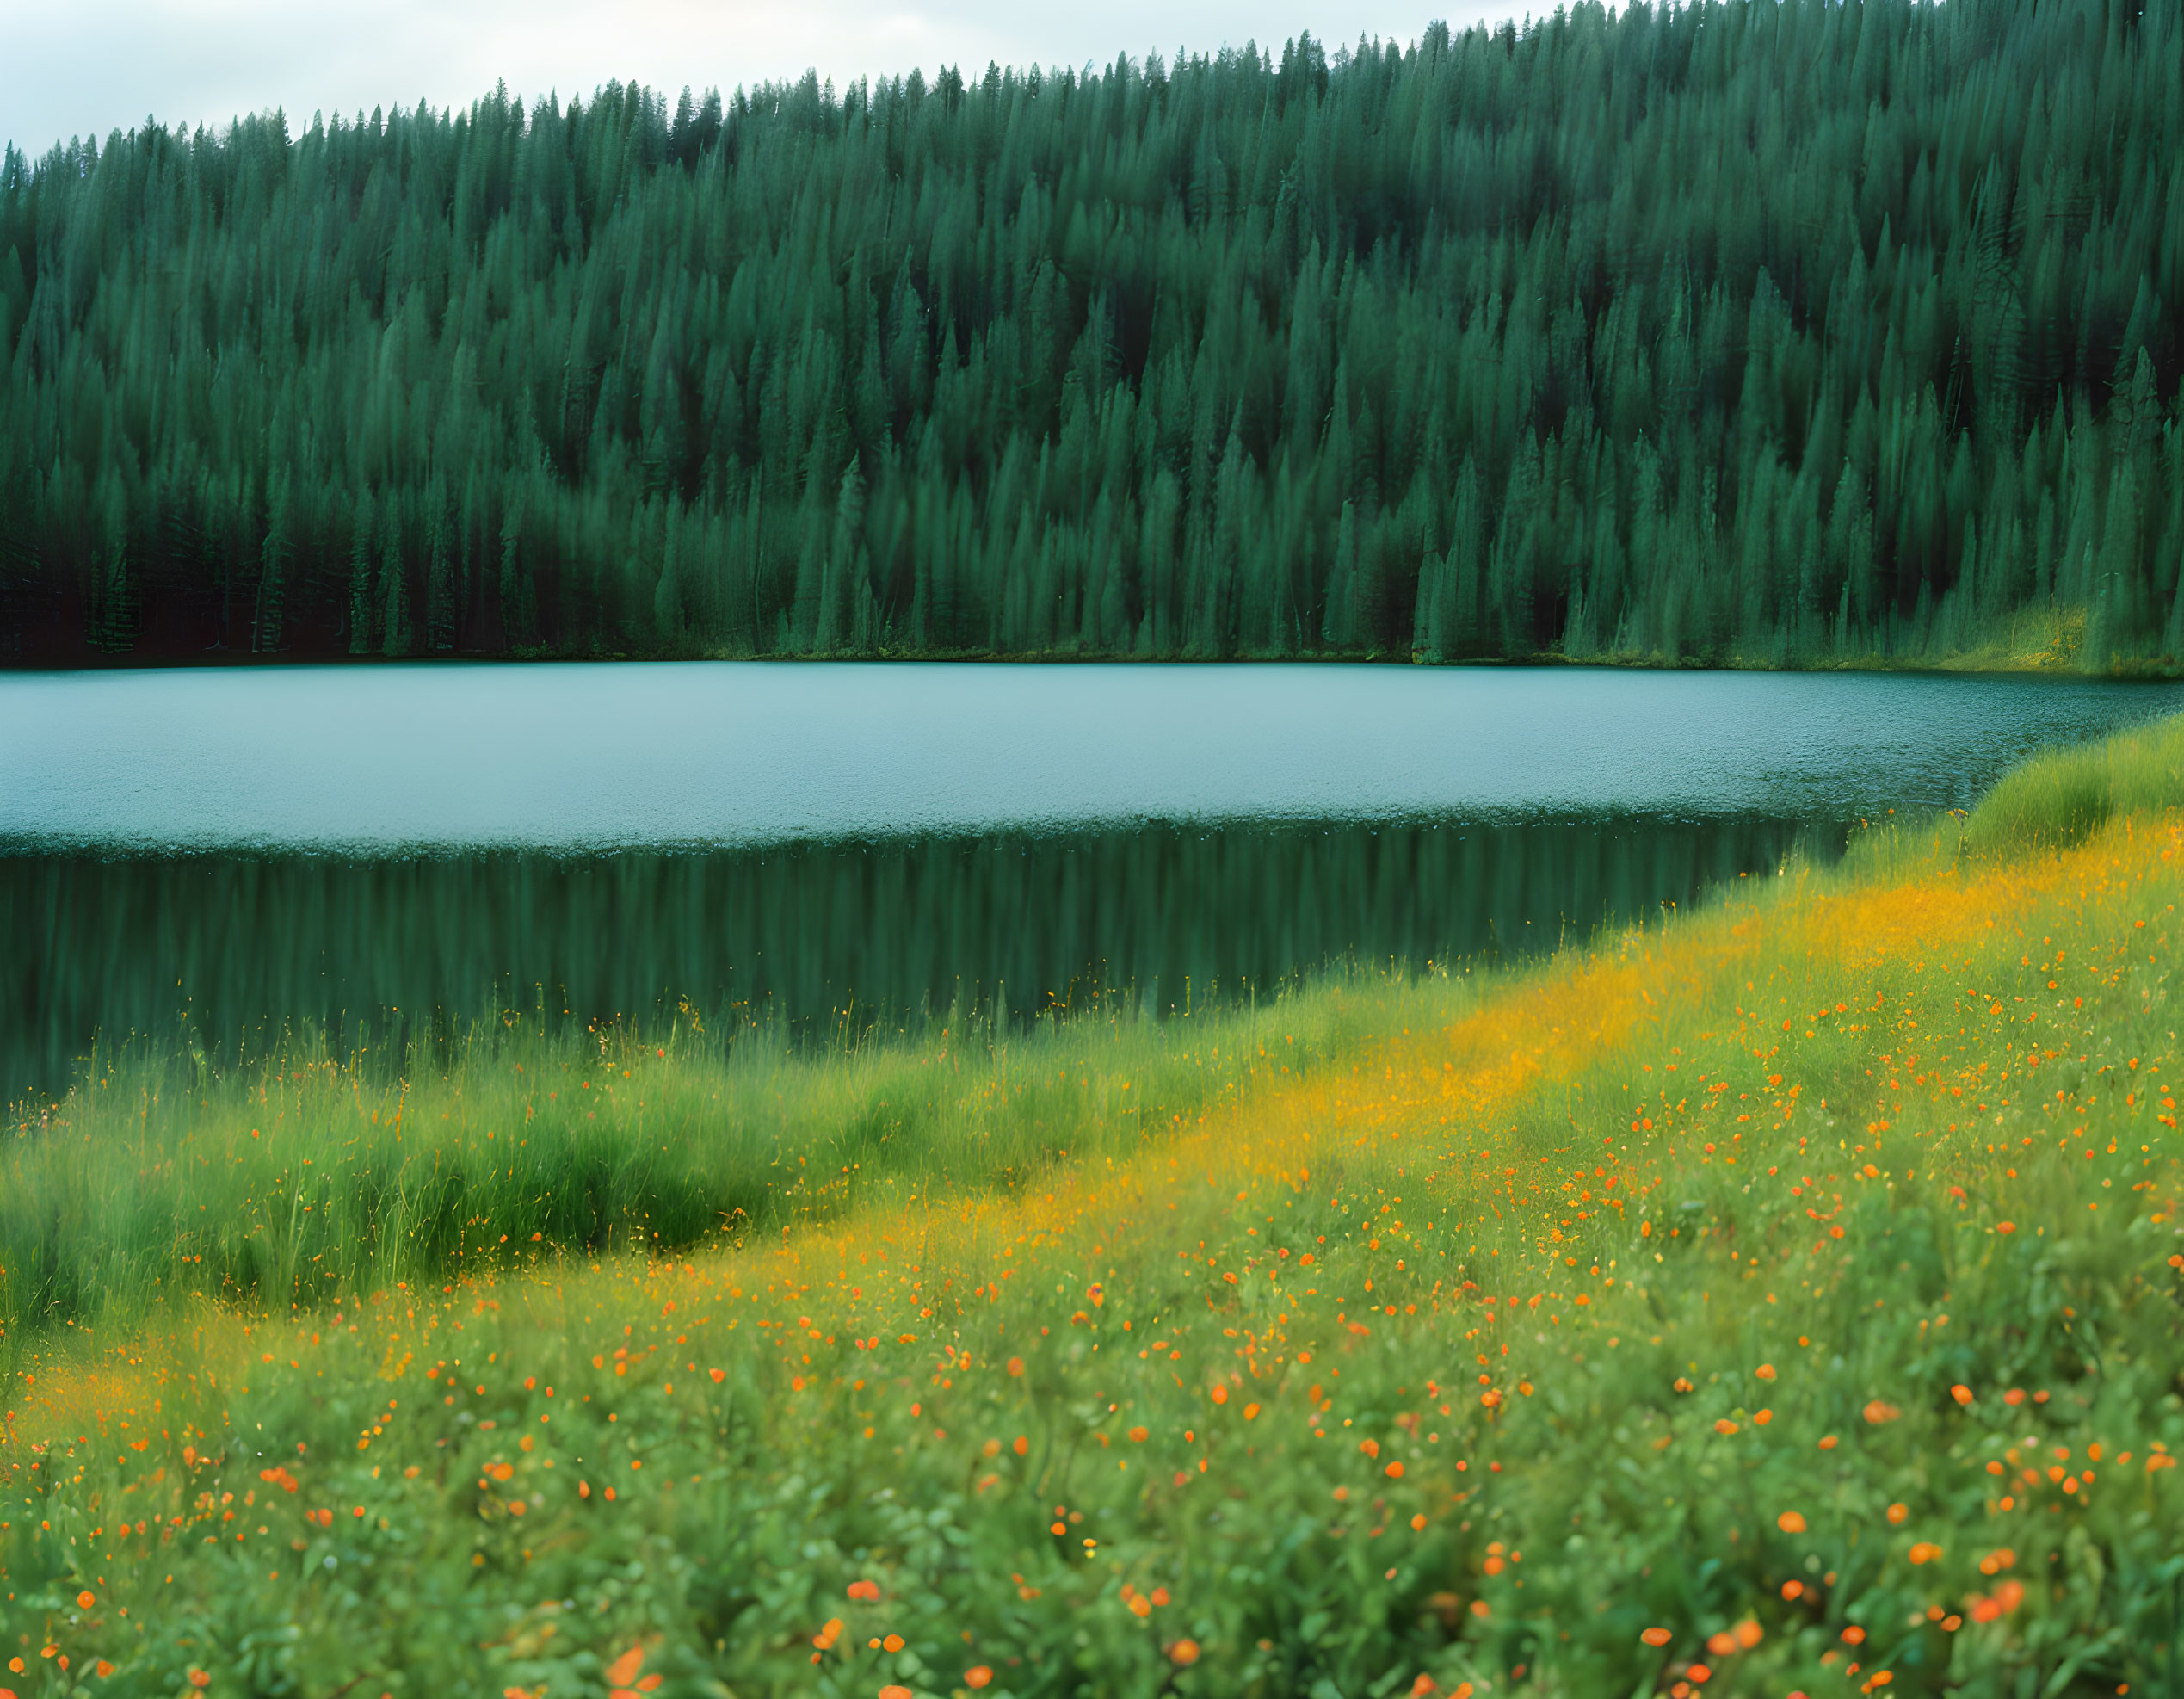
(273, 558)
(396, 637)
(1596, 337)
(364, 597)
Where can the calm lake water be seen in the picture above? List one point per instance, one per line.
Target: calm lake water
(236, 849)
(367, 760)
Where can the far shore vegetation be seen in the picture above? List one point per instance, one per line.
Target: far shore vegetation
(1786, 1296)
(1800, 334)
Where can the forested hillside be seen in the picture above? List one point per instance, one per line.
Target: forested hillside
(1766, 333)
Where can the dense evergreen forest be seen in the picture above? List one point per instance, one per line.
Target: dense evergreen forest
(1768, 332)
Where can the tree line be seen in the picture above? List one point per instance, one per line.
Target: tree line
(1782, 332)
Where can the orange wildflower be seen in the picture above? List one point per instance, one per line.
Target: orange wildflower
(1790, 1522)
(2007, 1598)
(1962, 1394)
(1925, 1552)
(978, 1674)
(1184, 1653)
(1879, 1411)
(1897, 1513)
(1656, 1636)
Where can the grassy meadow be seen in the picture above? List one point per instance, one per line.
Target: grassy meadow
(1785, 1298)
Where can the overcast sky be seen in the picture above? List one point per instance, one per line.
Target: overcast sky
(85, 67)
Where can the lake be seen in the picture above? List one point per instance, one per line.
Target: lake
(366, 846)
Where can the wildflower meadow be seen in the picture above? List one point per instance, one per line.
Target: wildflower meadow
(1786, 1297)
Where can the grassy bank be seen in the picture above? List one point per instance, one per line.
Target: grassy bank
(286, 1185)
(1785, 1300)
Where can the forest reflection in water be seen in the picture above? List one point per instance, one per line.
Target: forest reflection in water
(227, 951)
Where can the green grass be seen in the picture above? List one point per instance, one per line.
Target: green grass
(2063, 797)
(1874, 1135)
(288, 1183)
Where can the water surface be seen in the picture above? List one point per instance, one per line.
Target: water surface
(217, 856)
(370, 759)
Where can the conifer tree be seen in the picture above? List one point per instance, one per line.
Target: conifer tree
(1505, 342)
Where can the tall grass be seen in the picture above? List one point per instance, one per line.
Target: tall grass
(2063, 797)
(313, 1175)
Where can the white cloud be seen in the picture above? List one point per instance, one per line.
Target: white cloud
(85, 70)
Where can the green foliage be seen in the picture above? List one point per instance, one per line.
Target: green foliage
(2065, 796)
(308, 1175)
(1768, 334)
